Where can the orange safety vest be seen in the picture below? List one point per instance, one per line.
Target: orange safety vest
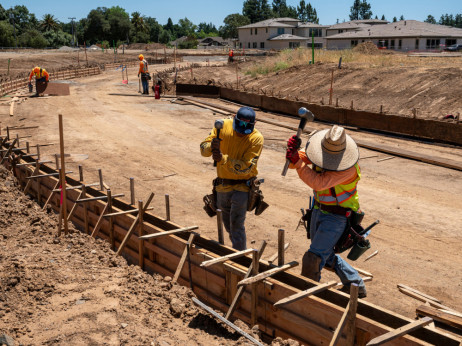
(231, 53)
(143, 66)
(346, 195)
(41, 74)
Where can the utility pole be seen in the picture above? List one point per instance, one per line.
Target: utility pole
(14, 29)
(72, 29)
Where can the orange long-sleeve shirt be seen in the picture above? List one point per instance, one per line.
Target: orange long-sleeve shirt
(324, 180)
(143, 67)
(41, 74)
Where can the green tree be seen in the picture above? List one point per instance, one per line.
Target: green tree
(401, 18)
(119, 22)
(302, 11)
(360, 10)
(354, 10)
(49, 23)
(32, 38)
(256, 10)
(6, 34)
(165, 36)
(3, 13)
(57, 38)
(186, 28)
(154, 29)
(458, 21)
(231, 23)
(140, 29)
(395, 19)
(97, 27)
(169, 26)
(430, 19)
(383, 17)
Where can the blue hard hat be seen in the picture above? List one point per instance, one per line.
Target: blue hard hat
(244, 121)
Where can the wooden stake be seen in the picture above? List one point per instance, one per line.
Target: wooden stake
(101, 183)
(381, 109)
(38, 152)
(371, 255)
(167, 207)
(267, 274)
(183, 257)
(8, 152)
(57, 161)
(336, 102)
(273, 257)
(49, 197)
(348, 315)
(350, 328)
(254, 297)
(132, 227)
(38, 187)
(63, 173)
(28, 184)
(400, 331)
(280, 247)
(331, 91)
(351, 105)
(99, 222)
(140, 234)
(132, 191)
(80, 173)
(73, 208)
(306, 293)
(85, 210)
(240, 289)
(27, 148)
(111, 220)
(227, 257)
(419, 293)
(221, 238)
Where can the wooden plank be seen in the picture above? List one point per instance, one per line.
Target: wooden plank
(350, 328)
(227, 257)
(441, 316)
(175, 231)
(267, 274)
(306, 293)
(348, 315)
(183, 258)
(423, 299)
(420, 293)
(400, 332)
(273, 257)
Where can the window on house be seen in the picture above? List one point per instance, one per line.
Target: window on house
(266, 30)
(248, 45)
(294, 44)
(340, 31)
(433, 43)
(400, 44)
(417, 43)
(251, 31)
(392, 44)
(262, 45)
(256, 31)
(280, 31)
(450, 41)
(240, 45)
(354, 43)
(316, 32)
(316, 45)
(254, 45)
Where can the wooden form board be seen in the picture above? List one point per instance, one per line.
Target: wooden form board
(312, 320)
(53, 88)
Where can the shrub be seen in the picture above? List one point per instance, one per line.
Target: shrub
(6, 34)
(32, 38)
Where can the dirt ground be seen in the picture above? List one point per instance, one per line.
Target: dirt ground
(434, 91)
(74, 290)
(157, 143)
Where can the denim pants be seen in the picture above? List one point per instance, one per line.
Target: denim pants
(145, 84)
(325, 231)
(233, 205)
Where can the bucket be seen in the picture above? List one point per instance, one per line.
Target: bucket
(358, 249)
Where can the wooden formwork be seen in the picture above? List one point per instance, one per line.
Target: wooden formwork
(312, 320)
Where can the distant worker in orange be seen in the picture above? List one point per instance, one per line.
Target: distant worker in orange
(41, 76)
(231, 56)
(145, 77)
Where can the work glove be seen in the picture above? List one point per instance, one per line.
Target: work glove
(294, 142)
(292, 155)
(30, 87)
(215, 144)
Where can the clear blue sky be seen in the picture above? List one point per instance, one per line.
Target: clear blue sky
(216, 10)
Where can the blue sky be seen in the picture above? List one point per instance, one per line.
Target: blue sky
(216, 10)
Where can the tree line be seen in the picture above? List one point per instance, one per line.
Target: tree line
(114, 26)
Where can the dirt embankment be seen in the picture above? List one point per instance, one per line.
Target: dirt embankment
(74, 290)
(433, 91)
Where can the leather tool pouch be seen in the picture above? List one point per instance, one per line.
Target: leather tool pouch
(306, 219)
(352, 234)
(210, 201)
(256, 196)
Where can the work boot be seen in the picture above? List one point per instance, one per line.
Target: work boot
(362, 293)
(311, 266)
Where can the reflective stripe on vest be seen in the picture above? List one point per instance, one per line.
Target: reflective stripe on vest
(145, 66)
(347, 194)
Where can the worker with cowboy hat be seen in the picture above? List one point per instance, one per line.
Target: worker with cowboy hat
(236, 152)
(145, 77)
(41, 76)
(334, 176)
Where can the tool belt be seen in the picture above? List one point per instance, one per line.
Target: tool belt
(221, 181)
(333, 209)
(256, 196)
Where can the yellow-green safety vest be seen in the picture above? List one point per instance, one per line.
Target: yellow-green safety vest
(347, 194)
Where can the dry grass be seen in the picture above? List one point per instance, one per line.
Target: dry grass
(302, 56)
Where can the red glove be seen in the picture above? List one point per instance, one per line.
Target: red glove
(294, 142)
(292, 155)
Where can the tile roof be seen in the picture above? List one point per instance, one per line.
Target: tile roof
(273, 22)
(288, 37)
(403, 28)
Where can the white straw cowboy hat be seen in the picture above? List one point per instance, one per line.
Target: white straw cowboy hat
(332, 149)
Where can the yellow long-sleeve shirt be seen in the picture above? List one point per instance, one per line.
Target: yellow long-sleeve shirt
(240, 155)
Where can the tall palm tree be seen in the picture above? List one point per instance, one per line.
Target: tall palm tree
(49, 23)
(138, 22)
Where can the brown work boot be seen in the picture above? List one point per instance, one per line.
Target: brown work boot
(311, 266)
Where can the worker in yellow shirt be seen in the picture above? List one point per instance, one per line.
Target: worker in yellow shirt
(41, 76)
(236, 152)
(145, 77)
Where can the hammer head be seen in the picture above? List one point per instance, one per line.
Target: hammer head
(306, 114)
(219, 124)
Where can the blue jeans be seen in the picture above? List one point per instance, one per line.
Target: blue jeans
(325, 231)
(233, 205)
(145, 84)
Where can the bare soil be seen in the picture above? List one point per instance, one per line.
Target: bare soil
(157, 143)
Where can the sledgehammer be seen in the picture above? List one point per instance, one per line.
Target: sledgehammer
(305, 116)
(218, 126)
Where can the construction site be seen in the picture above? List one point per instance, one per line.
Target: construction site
(103, 235)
